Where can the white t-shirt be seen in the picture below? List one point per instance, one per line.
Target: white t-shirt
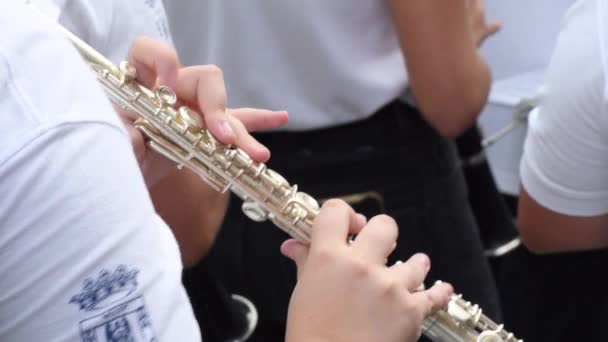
(565, 162)
(83, 255)
(326, 62)
(110, 26)
(518, 56)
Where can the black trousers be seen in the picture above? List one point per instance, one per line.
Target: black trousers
(556, 298)
(495, 220)
(409, 173)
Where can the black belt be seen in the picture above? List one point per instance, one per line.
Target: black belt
(391, 125)
(303, 157)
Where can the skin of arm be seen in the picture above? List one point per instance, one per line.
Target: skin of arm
(545, 231)
(449, 78)
(193, 210)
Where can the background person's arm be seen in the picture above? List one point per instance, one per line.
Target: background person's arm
(563, 204)
(546, 231)
(449, 78)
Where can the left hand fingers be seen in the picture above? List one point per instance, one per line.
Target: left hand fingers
(247, 143)
(245, 120)
(203, 86)
(492, 28)
(156, 63)
(259, 119)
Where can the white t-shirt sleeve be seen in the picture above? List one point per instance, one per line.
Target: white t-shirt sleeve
(76, 212)
(83, 255)
(565, 161)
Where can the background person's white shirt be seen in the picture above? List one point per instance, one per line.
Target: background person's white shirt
(326, 62)
(110, 26)
(565, 162)
(82, 253)
(518, 56)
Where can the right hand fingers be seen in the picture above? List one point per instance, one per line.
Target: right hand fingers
(377, 239)
(433, 299)
(332, 226)
(412, 272)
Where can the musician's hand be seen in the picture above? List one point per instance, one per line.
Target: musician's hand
(201, 88)
(345, 292)
(480, 27)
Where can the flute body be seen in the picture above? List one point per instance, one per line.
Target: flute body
(177, 134)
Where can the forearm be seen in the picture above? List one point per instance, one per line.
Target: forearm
(451, 99)
(193, 211)
(448, 77)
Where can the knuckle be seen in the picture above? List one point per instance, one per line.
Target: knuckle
(213, 70)
(431, 297)
(360, 269)
(171, 55)
(408, 307)
(419, 310)
(386, 223)
(386, 220)
(323, 255)
(393, 289)
(334, 203)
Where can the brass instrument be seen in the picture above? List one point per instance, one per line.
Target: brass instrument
(177, 134)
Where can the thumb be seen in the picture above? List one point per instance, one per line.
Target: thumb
(296, 251)
(494, 27)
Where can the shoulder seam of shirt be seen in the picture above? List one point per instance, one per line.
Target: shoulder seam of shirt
(602, 45)
(112, 27)
(20, 96)
(48, 128)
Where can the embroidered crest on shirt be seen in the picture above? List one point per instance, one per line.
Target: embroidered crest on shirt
(114, 315)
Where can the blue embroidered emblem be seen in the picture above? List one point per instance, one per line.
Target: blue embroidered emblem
(117, 318)
(150, 3)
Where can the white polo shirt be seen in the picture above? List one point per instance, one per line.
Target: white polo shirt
(83, 255)
(565, 162)
(325, 61)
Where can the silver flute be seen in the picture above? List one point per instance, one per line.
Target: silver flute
(178, 134)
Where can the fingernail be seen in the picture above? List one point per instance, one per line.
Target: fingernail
(362, 219)
(424, 260)
(227, 129)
